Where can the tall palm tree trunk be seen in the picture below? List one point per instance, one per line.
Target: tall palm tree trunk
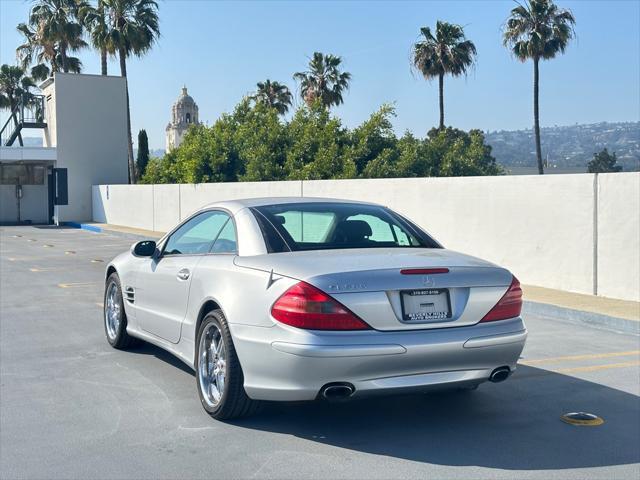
(103, 60)
(123, 72)
(103, 50)
(63, 57)
(441, 93)
(536, 115)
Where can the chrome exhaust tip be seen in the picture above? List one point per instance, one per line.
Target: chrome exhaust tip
(336, 392)
(500, 374)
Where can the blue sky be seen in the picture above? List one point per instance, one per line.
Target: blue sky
(221, 49)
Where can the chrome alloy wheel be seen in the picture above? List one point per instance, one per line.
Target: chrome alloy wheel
(212, 368)
(112, 311)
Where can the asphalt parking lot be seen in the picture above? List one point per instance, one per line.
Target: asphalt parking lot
(72, 407)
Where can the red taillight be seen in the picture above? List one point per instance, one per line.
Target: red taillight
(304, 306)
(423, 271)
(509, 305)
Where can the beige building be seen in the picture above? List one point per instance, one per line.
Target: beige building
(83, 120)
(184, 113)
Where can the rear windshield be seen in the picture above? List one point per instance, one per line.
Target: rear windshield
(324, 226)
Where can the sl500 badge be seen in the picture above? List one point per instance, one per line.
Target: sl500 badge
(348, 286)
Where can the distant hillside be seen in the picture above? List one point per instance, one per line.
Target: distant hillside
(569, 147)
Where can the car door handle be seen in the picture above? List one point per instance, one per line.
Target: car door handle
(184, 274)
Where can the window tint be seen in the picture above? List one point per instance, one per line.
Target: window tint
(272, 238)
(381, 230)
(226, 241)
(403, 238)
(306, 226)
(196, 235)
(321, 226)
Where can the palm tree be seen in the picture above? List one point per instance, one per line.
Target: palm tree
(95, 21)
(323, 81)
(446, 53)
(132, 28)
(15, 87)
(538, 30)
(274, 95)
(54, 25)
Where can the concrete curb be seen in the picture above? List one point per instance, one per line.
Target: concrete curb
(83, 226)
(570, 315)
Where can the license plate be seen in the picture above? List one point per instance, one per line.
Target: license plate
(425, 304)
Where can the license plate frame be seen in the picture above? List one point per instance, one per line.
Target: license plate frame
(426, 317)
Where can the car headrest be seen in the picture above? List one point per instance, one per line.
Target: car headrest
(352, 231)
(280, 220)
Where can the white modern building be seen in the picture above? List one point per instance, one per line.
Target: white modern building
(84, 123)
(184, 113)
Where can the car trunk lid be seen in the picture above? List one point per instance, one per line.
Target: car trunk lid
(371, 284)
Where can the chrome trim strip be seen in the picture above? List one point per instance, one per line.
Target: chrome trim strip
(493, 340)
(328, 351)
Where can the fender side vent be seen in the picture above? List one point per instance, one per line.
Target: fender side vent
(129, 294)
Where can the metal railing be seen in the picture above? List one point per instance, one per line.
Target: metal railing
(29, 113)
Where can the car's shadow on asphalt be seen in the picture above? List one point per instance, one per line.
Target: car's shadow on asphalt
(148, 349)
(513, 425)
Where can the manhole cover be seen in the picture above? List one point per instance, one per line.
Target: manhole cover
(582, 419)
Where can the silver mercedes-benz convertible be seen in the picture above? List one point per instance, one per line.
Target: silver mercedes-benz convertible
(298, 298)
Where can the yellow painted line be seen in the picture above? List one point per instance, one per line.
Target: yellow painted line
(595, 368)
(73, 285)
(37, 269)
(580, 357)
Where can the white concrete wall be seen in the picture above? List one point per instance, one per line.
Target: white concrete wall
(543, 228)
(618, 248)
(130, 205)
(89, 127)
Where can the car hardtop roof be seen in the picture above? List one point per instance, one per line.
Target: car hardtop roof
(239, 204)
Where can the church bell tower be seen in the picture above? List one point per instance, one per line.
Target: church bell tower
(184, 113)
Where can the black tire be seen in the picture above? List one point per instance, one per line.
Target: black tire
(121, 340)
(234, 402)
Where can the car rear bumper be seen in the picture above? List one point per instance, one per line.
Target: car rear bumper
(289, 364)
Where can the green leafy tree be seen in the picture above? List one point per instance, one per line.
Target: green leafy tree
(538, 30)
(261, 141)
(52, 32)
(463, 154)
(274, 95)
(323, 81)
(604, 162)
(373, 141)
(317, 144)
(415, 158)
(448, 52)
(253, 143)
(132, 28)
(142, 158)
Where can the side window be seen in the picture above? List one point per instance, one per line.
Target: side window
(196, 235)
(403, 238)
(226, 241)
